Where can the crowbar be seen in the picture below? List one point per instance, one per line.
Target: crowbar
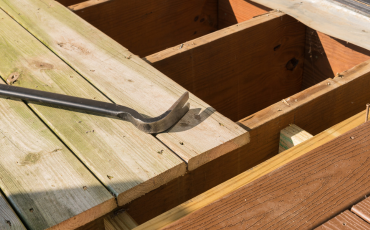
(147, 125)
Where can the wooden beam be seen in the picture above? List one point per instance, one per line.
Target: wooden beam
(304, 193)
(326, 56)
(83, 5)
(240, 76)
(127, 161)
(253, 174)
(9, 220)
(231, 12)
(128, 80)
(146, 27)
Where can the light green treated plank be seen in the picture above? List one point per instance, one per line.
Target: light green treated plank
(201, 136)
(46, 184)
(129, 162)
(8, 219)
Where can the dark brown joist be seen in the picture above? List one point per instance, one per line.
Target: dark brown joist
(241, 69)
(67, 3)
(146, 27)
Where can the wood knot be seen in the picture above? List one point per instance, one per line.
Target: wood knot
(13, 77)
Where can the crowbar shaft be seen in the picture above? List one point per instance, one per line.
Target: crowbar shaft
(147, 125)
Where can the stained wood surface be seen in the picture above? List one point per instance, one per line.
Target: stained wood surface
(314, 109)
(345, 220)
(85, 4)
(239, 76)
(126, 79)
(326, 56)
(231, 12)
(8, 219)
(362, 209)
(148, 26)
(45, 183)
(302, 194)
(127, 161)
(120, 221)
(253, 174)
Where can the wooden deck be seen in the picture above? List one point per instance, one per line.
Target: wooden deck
(61, 169)
(65, 169)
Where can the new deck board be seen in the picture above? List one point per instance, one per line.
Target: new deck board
(127, 161)
(128, 80)
(254, 173)
(302, 194)
(345, 220)
(45, 183)
(8, 219)
(362, 209)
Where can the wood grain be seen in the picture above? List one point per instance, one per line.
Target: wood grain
(302, 194)
(239, 76)
(148, 26)
(231, 12)
(345, 220)
(326, 56)
(121, 221)
(8, 219)
(253, 174)
(362, 209)
(127, 161)
(128, 80)
(45, 183)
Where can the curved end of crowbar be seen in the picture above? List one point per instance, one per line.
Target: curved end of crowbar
(166, 120)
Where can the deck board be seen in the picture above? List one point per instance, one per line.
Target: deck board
(345, 220)
(128, 80)
(45, 183)
(362, 209)
(8, 219)
(304, 193)
(127, 161)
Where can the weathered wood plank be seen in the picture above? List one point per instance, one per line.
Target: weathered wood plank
(148, 26)
(326, 56)
(345, 220)
(328, 17)
(240, 76)
(46, 184)
(304, 193)
(8, 219)
(128, 80)
(127, 161)
(253, 174)
(362, 209)
(231, 12)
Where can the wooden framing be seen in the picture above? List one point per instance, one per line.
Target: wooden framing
(229, 72)
(253, 174)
